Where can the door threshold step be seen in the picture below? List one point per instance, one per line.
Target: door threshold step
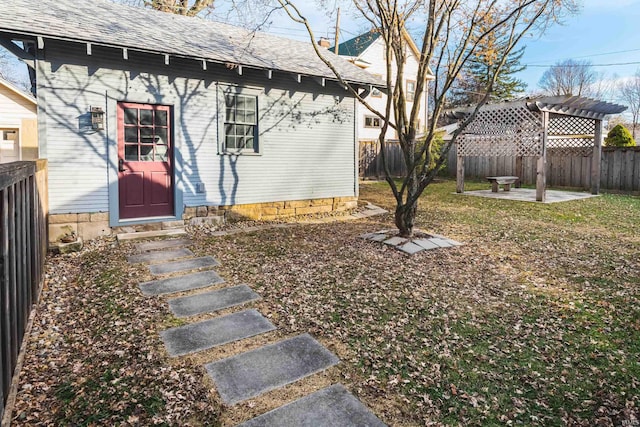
(150, 234)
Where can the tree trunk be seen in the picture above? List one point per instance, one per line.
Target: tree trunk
(405, 219)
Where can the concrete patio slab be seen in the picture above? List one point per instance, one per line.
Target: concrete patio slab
(253, 373)
(182, 283)
(410, 248)
(159, 256)
(426, 244)
(162, 244)
(329, 407)
(209, 302)
(529, 195)
(214, 332)
(185, 265)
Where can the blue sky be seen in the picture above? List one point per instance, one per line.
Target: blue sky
(602, 28)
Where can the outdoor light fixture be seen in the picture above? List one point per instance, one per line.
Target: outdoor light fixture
(97, 118)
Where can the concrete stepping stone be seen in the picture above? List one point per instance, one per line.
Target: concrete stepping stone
(159, 256)
(253, 373)
(329, 407)
(214, 332)
(212, 301)
(183, 283)
(184, 265)
(162, 244)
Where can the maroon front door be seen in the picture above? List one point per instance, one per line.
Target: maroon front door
(145, 172)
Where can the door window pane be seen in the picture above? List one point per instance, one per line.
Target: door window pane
(161, 153)
(131, 134)
(161, 136)
(161, 118)
(131, 153)
(146, 135)
(131, 116)
(146, 153)
(146, 117)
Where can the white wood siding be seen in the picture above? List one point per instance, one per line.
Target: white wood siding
(375, 55)
(14, 108)
(307, 138)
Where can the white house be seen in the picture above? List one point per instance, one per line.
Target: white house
(367, 51)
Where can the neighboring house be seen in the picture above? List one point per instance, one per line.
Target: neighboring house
(367, 51)
(18, 124)
(147, 117)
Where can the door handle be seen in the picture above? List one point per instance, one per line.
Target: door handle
(121, 165)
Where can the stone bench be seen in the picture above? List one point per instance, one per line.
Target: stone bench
(505, 181)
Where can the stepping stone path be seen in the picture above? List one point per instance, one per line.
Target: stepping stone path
(252, 373)
(212, 301)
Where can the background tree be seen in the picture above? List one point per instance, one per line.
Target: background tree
(629, 93)
(569, 77)
(178, 7)
(475, 79)
(619, 136)
(453, 34)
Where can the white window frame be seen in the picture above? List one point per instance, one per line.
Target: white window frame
(373, 119)
(236, 91)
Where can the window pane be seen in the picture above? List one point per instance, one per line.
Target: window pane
(248, 130)
(250, 103)
(240, 116)
(250, 117)
(146, 117)
(131, 116)
(240, 102)
(146, 135)
(161, 118)
(131, 134)
(146, 153)
(161, 153)
(248, 143)
(131, 153)
(161, 136)
(230, 100)
(231, 115)
(230, 141)
(230, 129)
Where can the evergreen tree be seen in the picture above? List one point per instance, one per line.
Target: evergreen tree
(476, 78)
(619, 136)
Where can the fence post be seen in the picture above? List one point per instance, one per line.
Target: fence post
(596, 158)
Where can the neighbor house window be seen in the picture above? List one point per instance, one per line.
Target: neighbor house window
(371, 122)
(411, 90)
(241, 123)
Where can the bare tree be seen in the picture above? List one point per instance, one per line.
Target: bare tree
(570, 77)
(452, 35)
(629, 93)
(178, 7)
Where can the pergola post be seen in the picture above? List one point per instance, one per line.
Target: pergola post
(460, 174)
(596, 158)
(541, 173)
(519, 171)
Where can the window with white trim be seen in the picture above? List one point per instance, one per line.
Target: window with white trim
(240, 123)
(411, 90)
(371, 122)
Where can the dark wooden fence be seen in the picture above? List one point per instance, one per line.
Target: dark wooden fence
(619, 169)
(23, 248)
(371, 166)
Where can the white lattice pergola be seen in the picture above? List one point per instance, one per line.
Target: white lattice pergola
(566, 125)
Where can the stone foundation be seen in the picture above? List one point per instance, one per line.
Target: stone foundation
(91, 225)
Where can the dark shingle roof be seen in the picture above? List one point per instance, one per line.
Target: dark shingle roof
(357, 45)
(105, 23)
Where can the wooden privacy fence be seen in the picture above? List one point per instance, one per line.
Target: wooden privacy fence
(23, 248)
(371, 166)
(619, 168)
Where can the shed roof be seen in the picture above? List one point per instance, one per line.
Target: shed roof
(105, 23)
(7, 84)
(567, 105)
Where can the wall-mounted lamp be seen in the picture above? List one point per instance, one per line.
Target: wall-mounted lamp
(97, 118)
